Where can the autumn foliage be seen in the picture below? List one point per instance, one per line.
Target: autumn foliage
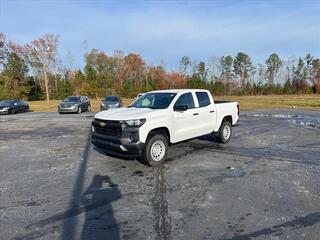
(34, 71)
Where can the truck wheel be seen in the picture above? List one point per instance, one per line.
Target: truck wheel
(79, 110)
(156, 150)
(225, 132)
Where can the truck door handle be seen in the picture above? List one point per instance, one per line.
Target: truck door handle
(195, 114)
(212, 111)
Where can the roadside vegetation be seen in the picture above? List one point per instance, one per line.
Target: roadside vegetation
(34, 72)
(311, 102)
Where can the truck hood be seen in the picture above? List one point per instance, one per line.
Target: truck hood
(126, 113)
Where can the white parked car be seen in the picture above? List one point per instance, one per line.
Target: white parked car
(146, 127)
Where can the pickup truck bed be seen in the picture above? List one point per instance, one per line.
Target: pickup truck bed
(220, 101)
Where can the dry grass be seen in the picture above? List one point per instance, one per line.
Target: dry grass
(311, 102)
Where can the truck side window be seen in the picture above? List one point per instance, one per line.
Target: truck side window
(185, 99)
(203, 99)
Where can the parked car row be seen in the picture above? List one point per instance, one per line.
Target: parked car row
(12, 106)
(71, 104)
(75, 104)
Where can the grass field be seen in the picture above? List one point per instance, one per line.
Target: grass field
(311, 102)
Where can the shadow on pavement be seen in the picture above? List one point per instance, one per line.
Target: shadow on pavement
(95, 203)
(70, 223)
(100, 222)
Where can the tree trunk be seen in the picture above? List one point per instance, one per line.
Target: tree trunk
(56, 84)
(243, 81)
(270, 78)
(45, 73)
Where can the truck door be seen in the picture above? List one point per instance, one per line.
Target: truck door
(207, 113)
(186, 121)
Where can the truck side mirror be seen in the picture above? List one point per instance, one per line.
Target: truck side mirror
(181, 108)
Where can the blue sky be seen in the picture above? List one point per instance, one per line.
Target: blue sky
(168, 30)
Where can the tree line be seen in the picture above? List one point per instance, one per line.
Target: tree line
(33, 71)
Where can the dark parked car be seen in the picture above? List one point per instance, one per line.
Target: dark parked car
(110, 102)
(75, 104)
(13, 106)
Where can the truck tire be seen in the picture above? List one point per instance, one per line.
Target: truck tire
(156, 150)
(225, 132)
(79, 110)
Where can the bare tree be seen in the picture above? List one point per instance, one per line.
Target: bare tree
(44, 51)
(3, 48)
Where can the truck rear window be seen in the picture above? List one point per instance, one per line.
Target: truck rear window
(203, 99)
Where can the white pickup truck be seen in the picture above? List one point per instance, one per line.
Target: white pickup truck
(160, 118)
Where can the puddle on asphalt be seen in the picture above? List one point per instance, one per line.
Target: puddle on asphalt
(272, 115)
(301, 120)
(305, 123)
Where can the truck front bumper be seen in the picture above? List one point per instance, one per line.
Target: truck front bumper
(126, 143)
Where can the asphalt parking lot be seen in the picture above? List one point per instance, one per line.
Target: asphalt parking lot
(264, 184)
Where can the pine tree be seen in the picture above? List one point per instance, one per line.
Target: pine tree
(14, 78)
(242, 67)
(273, 65)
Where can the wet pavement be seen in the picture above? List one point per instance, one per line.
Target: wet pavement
(264, 184)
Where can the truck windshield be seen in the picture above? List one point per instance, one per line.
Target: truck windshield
(154, 100)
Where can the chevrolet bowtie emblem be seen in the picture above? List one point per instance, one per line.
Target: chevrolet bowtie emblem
(102, 124)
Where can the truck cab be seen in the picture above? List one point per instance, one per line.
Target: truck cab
(157, 119)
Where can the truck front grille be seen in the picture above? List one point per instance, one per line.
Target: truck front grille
(109, 128)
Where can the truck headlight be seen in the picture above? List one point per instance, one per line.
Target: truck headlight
(135, 123)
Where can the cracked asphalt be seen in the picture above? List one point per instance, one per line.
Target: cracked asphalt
(264, 184)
